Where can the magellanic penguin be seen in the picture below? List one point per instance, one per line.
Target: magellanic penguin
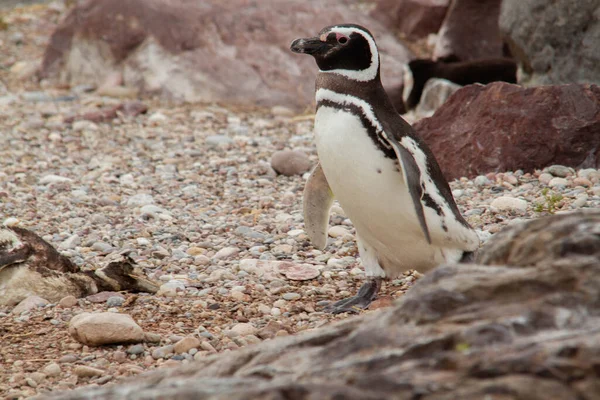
(486, 70)
(31, 266)
(379, 169)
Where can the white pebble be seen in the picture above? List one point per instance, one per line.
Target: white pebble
(509, 204)
(556, 182)
(11, 221)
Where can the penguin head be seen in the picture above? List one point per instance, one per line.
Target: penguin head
(348, 50)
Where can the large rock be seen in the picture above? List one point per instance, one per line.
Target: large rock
(415, 19)
(105, 328)
(212, 50)
(462, 332)
(504, 127)
(470, 31)
(555, 42)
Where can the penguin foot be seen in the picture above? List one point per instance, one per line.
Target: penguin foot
(366, 294)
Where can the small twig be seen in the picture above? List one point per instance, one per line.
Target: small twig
(27, 334)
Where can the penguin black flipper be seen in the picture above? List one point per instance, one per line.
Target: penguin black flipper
(436, 210)
(412, 177)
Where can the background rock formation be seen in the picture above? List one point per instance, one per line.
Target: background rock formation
(412, 18)
(235, 51)
(555, 42)
(504, 127)
(462, 332)
(470, 31)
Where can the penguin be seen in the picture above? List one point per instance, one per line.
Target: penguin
(31, 266)
(378, 168)
(485, 70)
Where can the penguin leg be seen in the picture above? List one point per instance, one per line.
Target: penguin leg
(369, 290)
(366, 294)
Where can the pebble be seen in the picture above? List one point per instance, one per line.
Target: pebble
(136, 349)
(298, 272)
(580, 201)
(28, 304)
(243, 329)
(105, 328)
(157, 119)
(171, 288)
(558, 182)
(49, 179)
(338, 231)
(115, 301)
(140, 200)
(37, 376)
(560, 171)
(226, 252)
(545, 178)
(102, 297)
(11, 222)
(186, 344)
(582, 182)
(481, 180)
(87, 372)
(69, 358)
(509, 204)
(218, 141)
(290, 162)
(52, 369)
(291, 296)
(68, 302)
(162, 352)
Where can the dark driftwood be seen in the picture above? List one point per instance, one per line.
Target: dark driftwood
(462, 332)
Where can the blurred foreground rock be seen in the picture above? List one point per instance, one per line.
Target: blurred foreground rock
(504, 127)
(235, 51)
(462, 332)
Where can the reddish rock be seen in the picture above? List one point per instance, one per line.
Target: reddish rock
(234, 51)
(298, 272)
(504, 127)
(413, 18)
(470, 31)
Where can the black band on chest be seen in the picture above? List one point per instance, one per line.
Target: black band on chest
(380, 142)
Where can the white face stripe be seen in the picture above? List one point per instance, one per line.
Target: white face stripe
(326, 94)
(362, 75)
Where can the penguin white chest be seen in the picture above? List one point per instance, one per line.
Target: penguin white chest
(372, 192)
(357, 171)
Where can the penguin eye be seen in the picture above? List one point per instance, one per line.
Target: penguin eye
(342, 39)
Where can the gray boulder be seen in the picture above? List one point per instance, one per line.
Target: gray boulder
(555, 41)
(466, 332)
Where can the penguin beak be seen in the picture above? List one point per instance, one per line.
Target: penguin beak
(310, 46)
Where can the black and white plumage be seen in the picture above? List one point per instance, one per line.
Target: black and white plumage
(486, 70)
(31, 266)
(379, 169)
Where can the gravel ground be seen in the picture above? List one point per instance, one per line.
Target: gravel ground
(190, 190)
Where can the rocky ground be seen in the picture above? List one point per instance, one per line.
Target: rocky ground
(190, 189)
